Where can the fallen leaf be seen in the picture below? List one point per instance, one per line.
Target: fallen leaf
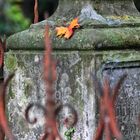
(67, 32)
(74, 24)
(61, 31)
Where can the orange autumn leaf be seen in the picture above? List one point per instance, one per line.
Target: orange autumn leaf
(67, 32)
(64, 31)
(74, 24)
(61, 31)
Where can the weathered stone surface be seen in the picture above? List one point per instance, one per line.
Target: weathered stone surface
(74, 85)
(117, 7)
(70, 8)
(87, 38)
(115, 64)
(128, 104)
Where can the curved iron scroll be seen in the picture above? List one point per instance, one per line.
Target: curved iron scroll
(51, 109)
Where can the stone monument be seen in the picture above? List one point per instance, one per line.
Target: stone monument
(107, 43)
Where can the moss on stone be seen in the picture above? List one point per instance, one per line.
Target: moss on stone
(27, 89)
(11, 94)
(125, 56)
(11, 61)
(83, 39)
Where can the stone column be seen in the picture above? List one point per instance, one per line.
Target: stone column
(96, 47)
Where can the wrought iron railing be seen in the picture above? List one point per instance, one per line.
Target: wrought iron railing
(107, 98)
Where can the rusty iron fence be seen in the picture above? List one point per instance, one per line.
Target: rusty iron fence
(107, 124)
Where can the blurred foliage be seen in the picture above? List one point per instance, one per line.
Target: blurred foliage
(12, 19)
(17, 15)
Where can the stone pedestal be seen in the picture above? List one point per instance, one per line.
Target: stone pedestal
(96, 47)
